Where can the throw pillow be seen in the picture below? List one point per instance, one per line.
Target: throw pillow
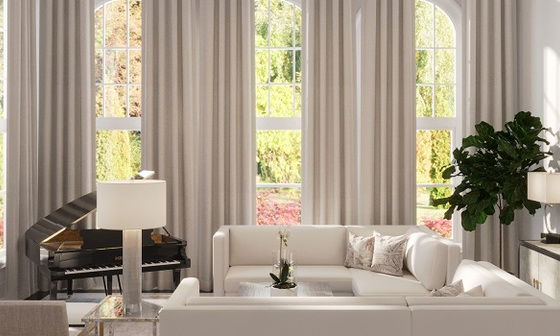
(359, 251)
(388, 254)
(454, 289)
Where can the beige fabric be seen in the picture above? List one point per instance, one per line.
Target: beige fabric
(329, 112)
(66, 136)
(366, 283)
(474, 292)
(473, 301)
(387, 143)
(454, 289)
(298, 301)
(427, 259)
(388, 254)
(33, 318)
(21, 174)
(198, 123)
(359, 251)
(490, 91)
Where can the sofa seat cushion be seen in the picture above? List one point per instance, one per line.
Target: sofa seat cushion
(365, 283)
(339, 278)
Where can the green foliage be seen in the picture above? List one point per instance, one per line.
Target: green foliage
(118, 155)
(433, 154)
(493, 166)
(279, 156)
(282, 280)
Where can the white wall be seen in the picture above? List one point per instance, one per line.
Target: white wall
(539, 84)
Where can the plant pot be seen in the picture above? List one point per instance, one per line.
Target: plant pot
(283, 292)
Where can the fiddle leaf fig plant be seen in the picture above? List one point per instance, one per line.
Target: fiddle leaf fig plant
(493, 167)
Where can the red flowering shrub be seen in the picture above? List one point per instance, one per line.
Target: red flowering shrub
(278, 207)
(442, 226)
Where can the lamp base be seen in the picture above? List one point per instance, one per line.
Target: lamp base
(132, 272)
(550, 238)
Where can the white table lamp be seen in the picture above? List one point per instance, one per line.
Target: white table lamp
(544, 187)
(131, 206)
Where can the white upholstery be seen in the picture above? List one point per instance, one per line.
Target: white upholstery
(473, 274)
(339, 278)
(472, 301)
(366, 283)
(299, 301)
(426, 259)
(311, 245)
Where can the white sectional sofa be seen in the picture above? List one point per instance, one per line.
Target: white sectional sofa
(245, 253)
(380, 305)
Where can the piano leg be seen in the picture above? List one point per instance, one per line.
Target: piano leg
(53, 290)
(176, 277)
(69, 290)
(109, 285)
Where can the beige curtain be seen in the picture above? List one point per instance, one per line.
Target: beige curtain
(387, 151)
(21, 113)
(490, 57)
(66, 136)
(198, 124)
(329, 119)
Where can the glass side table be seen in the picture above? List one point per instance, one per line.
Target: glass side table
(107, 319)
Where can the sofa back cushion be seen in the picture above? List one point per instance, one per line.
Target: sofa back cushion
(303, 300)
(310, 244)
(472, 301)
(426, 259)
(472, 274)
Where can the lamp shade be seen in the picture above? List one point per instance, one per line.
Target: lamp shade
(132, 204)
(543, 187)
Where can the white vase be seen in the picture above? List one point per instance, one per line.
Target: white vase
(283, 292)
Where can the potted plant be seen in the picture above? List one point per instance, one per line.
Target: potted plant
(284, 284)
(493, 167)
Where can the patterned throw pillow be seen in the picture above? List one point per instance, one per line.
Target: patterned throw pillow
(454, 289)
(359, 251)
(388, 254)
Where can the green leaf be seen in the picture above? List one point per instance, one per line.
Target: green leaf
(484, 129)
(448, 172)
(275, 278)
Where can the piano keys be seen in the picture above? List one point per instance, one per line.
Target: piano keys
(64, 249)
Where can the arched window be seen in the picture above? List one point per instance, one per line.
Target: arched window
(437, 108)
(118, 41)
(278, 107)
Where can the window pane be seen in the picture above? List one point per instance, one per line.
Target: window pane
(281, 66)
(118, 154)
(278, 206)
(445, 66)
(424, 98)
(431, 216)
(2, 161)
(424, 24)
(297, 27)
(261, 23)
(135, 23)
(278, 156)
(98, 66)
(115, 24)
(115, 66)
(135, 66)
(115, 101)
(2, 221)
(261, 66)
(2, 100)
(433, 154)
(298, 101)
(99, 28)
(281, 101)
(99, 101)
(445, 30)
(424, 66)
(298, 66)
(262, 101)
(445, 101)
(281, 22)
(135, 101)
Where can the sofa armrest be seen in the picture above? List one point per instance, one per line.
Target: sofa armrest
(188, 288)
(220, 259)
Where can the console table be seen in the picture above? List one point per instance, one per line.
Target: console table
(539, 266)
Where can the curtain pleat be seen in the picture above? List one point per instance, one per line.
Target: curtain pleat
(387, 164)
(198, 128)
(21, 114)
(490, 57)
(329, 112)
(66, 102)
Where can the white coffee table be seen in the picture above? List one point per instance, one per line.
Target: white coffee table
(311, 288)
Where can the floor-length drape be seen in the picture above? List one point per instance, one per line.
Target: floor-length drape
(21, 113)
(386, 145)
(490, 58)
(66, 136)
(198, 124)
(329, 114)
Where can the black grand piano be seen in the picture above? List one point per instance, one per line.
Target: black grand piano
(65, 249)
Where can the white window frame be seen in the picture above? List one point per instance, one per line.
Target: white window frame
(117, 123)
(269, 123)
(453, 124)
